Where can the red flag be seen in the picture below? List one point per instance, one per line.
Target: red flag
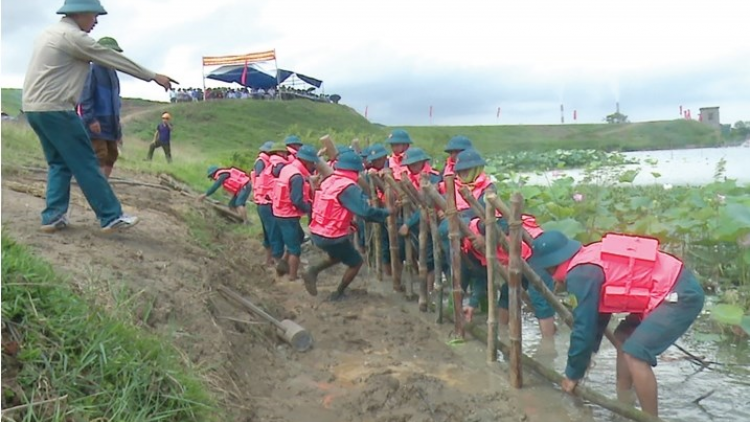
(430, 111)
(575, 114)
(366, 108)
(243, 79)
(498, 112)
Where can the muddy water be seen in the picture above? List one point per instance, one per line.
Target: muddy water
(680, 382)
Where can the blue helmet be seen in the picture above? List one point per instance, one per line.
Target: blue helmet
(292, 140)
(415, 155)
(343, 148)
(266, 146)
(364, 152)
(552, 248)
(212, 170)
(468, 159)
(349, 160)
(458, 143)
(375, 152)
(398, 136)
(307, 153)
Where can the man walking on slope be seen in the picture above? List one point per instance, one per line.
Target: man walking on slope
(54, 81)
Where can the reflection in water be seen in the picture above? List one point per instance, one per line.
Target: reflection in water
(675, 167)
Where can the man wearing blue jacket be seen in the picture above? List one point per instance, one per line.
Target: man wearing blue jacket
(100, 110)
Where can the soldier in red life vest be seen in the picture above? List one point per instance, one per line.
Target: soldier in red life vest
(293, 144)
(335, 205)
(418, 162)
(621, 274)
(262, 207)
(476, 274)
(399, 142)
(278, 158)
(234, 181)
(292, 198)
(455, 145)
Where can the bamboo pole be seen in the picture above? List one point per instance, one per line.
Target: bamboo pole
(408, 269)
(437, 256)
(424, 288)
(393, 240)
(490, 255)
(376, 232)
(582, 391)
(514, 292)
(455, 239)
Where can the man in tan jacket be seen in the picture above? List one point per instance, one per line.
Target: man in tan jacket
(54, 81)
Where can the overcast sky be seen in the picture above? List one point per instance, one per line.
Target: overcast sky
(464, 58)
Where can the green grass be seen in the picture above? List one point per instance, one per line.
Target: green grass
(11, 101)
(106, 369)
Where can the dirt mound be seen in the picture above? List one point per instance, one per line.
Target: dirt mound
(374, 359)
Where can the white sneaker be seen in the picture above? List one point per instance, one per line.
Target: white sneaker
(121, 223)
(57, 224)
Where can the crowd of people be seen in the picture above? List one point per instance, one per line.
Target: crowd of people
(621, 274)
(181, 95)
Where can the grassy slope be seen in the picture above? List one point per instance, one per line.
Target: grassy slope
(105, 367)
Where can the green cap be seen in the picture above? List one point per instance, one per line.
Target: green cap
(111, 43)
(81, 6)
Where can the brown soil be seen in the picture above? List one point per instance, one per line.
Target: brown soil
(375, 357)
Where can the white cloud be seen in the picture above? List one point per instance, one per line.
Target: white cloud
(524, 56)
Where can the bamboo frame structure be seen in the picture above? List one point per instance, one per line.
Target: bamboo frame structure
(393, 239)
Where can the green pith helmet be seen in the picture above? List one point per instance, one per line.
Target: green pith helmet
(468, 159)
(349, 160)
(415, 155)
(212, 170)
(277, 147)
(552, 248)
(111, 43)
(399, 136)
(266, 145)
(292, 140)
(81, 6)
(458, 143)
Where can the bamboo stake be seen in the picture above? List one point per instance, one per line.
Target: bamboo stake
(406, 211)
(393, 240)
(455, 239)
(514, 290)
(376, 232)
(490, 255)
(438, 258)
(424, 287)
(582, 391)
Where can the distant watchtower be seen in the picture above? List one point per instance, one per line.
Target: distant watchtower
(710, 116)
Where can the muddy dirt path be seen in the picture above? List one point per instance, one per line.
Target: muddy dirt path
(376, 358)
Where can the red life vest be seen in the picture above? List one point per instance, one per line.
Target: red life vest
(637, 275)
(450, 164)
(253, 177)
(394, 163)
(282, 199)
(235, 182)
(502, 254)
(265, 181)
(329, 218)
(292, 153)
(416, 178)
(477, 189)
